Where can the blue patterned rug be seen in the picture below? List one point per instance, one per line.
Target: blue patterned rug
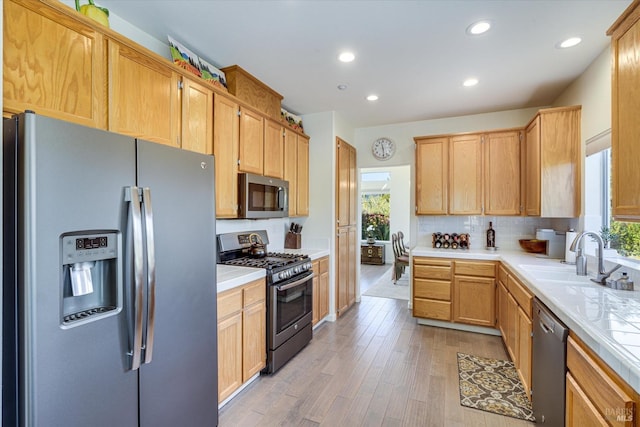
(492, 385)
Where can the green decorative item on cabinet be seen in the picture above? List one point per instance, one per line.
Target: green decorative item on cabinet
(97, 13)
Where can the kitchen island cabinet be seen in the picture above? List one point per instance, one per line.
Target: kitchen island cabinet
(242, 347)
(625, 109)
(53, 64)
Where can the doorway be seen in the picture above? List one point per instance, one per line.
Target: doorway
(392, 182)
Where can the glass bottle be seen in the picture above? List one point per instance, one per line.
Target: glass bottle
(491, 236)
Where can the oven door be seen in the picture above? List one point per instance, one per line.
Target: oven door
(290, 308)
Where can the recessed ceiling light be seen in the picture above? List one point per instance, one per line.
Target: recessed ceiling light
(346, 57)
(470, 82)
(342, 87)
(372, 98)
(570, 42)
(479, 27)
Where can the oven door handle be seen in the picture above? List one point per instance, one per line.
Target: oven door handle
(296, 283)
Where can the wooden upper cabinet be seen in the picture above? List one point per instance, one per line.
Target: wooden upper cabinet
(225, 149)
(291, 168)
(345, 183)
(553, 163)
(502, 173)
(465, 175)
(273, 149)
(432, 175)
(251, 142)
(143, 96)
(197, 117)
(53, 65)
(625, 126)
(302, 185)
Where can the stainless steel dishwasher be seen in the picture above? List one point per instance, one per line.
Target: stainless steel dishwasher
(549, 366)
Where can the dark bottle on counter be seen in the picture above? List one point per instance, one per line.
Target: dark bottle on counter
(491, 236)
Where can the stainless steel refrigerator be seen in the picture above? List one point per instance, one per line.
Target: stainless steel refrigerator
(109, 284)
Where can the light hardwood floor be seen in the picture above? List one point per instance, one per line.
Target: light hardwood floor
(375, 366)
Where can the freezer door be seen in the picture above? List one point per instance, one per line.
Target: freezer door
(179, 384)
(70, 178)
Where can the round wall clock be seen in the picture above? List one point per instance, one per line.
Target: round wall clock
(383, 148)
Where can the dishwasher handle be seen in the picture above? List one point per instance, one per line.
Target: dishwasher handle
(549, 323)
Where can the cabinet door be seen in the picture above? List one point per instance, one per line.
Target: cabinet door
(323, 291)
(353, 187)
(229, 355)
(143, 96)
(302, 185)
(197, 117)
(625, 149)
(432, 176)
(291, 168)
(502, 173)
(524, 349)
(580, 411)
(273, 149)
(225, 150)
(511, 325)
(342, 269)
(351, 288)
(465, 175)
(254, 336)
(53, 65)
(474, 300)
(251, 142)
(343, 183)
(532, 168)
(503, 300)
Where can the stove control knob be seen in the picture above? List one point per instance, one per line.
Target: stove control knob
(296, 270)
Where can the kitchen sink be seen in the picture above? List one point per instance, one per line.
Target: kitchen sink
(561, 274)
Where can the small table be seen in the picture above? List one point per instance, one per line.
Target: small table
(372, 254)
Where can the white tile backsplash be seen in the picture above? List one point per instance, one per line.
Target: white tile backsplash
(508, 229)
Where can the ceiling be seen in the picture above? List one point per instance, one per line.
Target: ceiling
(413, 54)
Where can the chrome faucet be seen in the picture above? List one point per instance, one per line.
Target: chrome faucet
(581, 259)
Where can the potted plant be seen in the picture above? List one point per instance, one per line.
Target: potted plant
(370, 239)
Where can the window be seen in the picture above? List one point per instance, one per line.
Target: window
(375, 216)
(624, 237)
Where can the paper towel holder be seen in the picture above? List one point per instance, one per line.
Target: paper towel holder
(570, 237)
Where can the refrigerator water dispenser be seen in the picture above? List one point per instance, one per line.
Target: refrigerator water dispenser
(91, 279)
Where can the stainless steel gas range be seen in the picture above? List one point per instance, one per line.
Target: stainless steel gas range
(289, 292)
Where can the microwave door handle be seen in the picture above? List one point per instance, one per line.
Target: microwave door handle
(151, 274)
(282, 198)
(133, 198)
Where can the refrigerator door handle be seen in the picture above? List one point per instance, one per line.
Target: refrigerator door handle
(133, 197)
(151, 273)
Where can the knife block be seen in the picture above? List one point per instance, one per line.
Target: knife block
(293, 240)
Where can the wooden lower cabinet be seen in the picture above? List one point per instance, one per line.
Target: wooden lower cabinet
(320, 289)
(241, 335)
(595, 395)
(474, 293)
(454, 290)
(432, 288)
(514, 323)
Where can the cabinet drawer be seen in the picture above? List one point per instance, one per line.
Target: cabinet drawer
(601, 389)
(521, 294)
(229, 302)
(254, 292)
(475, 268)
(442, 262)
(431, 309)
(433, 289)
(431, 272)
(503, 275)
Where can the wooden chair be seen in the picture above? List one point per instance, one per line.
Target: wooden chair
(400, 260)
(402, 246)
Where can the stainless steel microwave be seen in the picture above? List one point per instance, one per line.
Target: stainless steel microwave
(262, 196)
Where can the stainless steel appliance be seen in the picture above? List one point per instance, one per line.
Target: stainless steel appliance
(289, 293)
(109, 292)
(262, 196)
(549, 366)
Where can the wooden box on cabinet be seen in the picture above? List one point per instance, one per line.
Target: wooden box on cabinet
(252, 91)
(372, 254)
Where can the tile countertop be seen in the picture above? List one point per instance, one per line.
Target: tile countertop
(607, 320)
(231, 276)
